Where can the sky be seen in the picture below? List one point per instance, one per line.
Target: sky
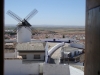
(50, 12)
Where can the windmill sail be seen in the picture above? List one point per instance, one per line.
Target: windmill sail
(31, 14)
(13, 15)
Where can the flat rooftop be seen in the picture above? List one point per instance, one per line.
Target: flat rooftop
(70, 49)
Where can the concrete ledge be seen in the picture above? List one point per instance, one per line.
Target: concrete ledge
(56, 69)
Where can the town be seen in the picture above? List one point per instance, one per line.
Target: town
(57, 51)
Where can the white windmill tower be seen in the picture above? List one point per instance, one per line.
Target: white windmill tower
(23, 28)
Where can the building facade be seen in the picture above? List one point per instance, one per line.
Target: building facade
(31, 51)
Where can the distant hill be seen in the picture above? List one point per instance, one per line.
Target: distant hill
(47, 26)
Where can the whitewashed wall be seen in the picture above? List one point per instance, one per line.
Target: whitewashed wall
(30, 56)
(15, 67)
(77, 45)
(24, 35)
(56, 69)
(9, 55)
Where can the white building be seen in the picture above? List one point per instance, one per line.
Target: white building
(9, 51)
(34, 51)
(70, 53)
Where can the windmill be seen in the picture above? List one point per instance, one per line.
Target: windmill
(23, 29)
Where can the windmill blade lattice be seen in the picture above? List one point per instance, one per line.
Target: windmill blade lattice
(34, 30)
(13, 15)
(31, 14)
(17, 28)
(29, 29)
